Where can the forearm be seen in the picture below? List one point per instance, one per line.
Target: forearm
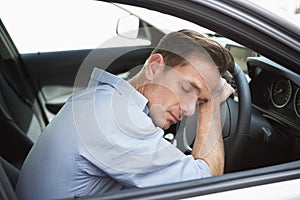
(208, 143)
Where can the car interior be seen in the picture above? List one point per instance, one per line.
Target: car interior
(33, 88)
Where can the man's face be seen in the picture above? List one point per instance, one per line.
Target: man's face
(174, 92)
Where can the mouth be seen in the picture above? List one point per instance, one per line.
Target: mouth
(174, 119)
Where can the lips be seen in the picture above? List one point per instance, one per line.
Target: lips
(175, 119)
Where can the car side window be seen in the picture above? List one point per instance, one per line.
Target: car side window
(43, 26)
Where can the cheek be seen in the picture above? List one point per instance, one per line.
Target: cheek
(165, 96)
(157, 113)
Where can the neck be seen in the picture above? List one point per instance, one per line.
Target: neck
(138, 82)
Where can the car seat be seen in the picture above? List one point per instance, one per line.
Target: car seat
(8, 179)
(20, 120)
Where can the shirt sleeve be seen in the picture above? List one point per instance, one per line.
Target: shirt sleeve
(121, 140)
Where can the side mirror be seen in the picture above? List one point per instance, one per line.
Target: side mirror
(128, 27)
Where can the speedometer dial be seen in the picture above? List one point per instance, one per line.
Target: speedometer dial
(297, 102)
(281, 92)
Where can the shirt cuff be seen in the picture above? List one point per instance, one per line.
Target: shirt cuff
(205, 168)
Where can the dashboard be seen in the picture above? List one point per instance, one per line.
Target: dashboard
(275, 91)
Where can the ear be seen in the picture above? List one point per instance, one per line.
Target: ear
(154, 65)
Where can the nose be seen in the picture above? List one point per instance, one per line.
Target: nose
(188, 108)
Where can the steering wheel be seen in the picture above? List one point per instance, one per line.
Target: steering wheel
(235, 118)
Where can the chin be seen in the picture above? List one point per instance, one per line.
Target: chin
(163, 125)
(166, 125)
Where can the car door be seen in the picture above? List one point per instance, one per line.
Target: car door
(51, 84)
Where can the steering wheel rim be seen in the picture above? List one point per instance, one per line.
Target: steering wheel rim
(237, 131)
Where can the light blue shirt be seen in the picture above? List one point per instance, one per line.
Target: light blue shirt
(103, 140)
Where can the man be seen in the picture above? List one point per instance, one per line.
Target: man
(109, 136)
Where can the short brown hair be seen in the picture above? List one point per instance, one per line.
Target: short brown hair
(176, 46)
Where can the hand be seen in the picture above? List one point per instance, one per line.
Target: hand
(222, 92)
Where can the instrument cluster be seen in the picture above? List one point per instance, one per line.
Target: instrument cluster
(275, 93)
(281, 93)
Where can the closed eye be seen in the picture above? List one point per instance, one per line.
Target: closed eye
(186, 87)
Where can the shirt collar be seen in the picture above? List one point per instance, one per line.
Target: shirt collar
(100, 77)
